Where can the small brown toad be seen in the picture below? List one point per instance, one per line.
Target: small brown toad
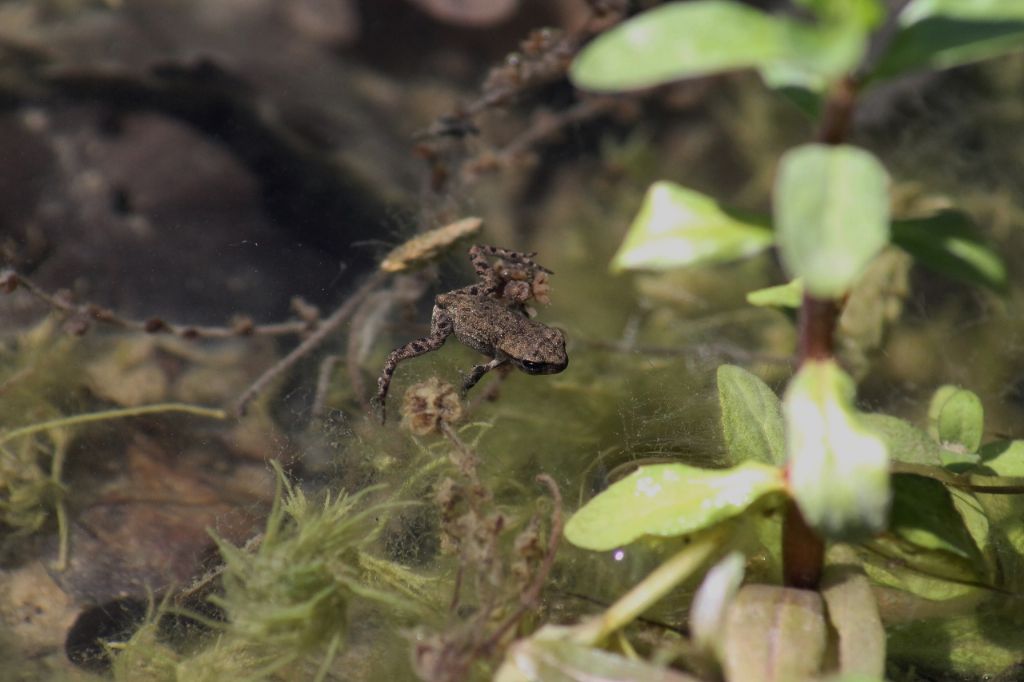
(490, 317)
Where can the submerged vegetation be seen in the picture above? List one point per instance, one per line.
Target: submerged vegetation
(786, 446)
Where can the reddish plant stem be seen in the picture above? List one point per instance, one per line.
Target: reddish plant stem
(803, 550)
(818, 319)
(837, 114)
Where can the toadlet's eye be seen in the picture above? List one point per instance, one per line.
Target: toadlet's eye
(533, 366)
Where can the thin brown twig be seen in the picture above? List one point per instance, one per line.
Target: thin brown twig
(328, 327)
(545, 127)
(90, 312)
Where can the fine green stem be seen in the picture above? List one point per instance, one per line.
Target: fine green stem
(57, 465)
(332, 651)
(651, 589)
(105, 415)
(60, 509)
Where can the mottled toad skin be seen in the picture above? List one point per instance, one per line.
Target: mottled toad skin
(487, 318)
(497, 330)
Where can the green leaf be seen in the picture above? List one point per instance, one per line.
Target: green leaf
(838, 467)
(975, 10)
(948, 244)
(931, 573)
(839, 38)
(956, 417)
(669, 500)
(982, 644)
(1004, 512)
(807, 101)
(950, 38)
(1005, 457)
(830, 49)
(976, 520)
(892, 564)
(677, 226)
(905, 442)
(751, 417)
(831, 215)
(923, 514)
(864, 13)
(704, 37)
(788, 295)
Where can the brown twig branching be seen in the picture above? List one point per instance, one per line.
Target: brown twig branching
(473, 527)
(545, 127)
(543, 59)
(311, 342)
(80, 316)
(528, 600)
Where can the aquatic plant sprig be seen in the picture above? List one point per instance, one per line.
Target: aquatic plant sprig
(35, 492)
(288, 595)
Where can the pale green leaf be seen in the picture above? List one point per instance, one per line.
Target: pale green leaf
(829, 49)
(905, 442)
(788, 295)
(677, 226)
(704, 37)
(948, 244)
(831, 215)
(1005, 457)
(956, 417)
(774, 634)
(939, 398)
(751, 417)
(710, 603)
(838, 467)
(853, 612)
(669, 500)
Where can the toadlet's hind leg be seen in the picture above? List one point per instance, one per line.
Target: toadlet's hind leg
(440, 329)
